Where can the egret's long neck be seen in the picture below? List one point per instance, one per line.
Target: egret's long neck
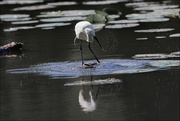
(89, 35)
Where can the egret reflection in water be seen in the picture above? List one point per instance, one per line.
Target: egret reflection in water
(88, 106)
(91, 104)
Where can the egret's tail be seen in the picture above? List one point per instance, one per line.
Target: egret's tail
(75, 41)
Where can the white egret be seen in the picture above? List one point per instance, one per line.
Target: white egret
(85, 31)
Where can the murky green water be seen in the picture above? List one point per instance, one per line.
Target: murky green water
(138, 78)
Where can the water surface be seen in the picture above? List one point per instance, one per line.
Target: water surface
(143, 54)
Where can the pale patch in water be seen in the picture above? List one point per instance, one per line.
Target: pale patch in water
(165, 63)
(7, 16)
(25, 22)
(58, 70)
(52, 25)
(160, 37)
(145, 38)
(62, 3)
(144, 16)
(95, 82)
(155, 20)
(34, 7)
(18, 28)
(21, 2)
(99, 2)
(131, 71)
(157, 7)
(175, 53)
(67, 13)
(175, 35)
(120, 26)
(138, 4)
(155, 56)
(114, 16)
(63, 19)
(123, 21)
(155, 30)
(14, 17)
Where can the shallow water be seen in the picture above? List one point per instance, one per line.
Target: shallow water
(144, 59)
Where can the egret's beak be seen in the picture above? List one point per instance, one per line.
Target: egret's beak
(98, 42)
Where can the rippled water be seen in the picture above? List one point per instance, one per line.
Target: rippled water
(137, 79)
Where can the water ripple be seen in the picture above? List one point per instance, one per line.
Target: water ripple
(57, 70)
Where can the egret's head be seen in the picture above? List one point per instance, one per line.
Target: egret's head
(89, 34)
(90, 31)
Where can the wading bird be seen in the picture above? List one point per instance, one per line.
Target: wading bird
(85, 31)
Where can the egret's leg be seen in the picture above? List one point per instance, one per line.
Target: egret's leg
(91, 82)
(93, 53)
(81, 52)
(96, 97)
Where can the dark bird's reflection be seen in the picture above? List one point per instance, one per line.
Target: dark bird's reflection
(17, 53)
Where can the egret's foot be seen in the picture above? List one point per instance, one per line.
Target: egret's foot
(89, 65)
(86, 64)
(92, 63)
